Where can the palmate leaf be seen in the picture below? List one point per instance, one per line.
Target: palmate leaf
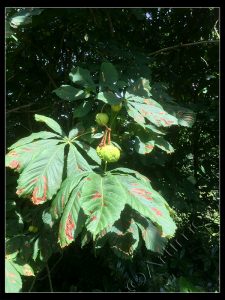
(40, 160)
(96, 202)
(98, 197)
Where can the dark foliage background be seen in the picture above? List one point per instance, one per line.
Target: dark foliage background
(39, 57)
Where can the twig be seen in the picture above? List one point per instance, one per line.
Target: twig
(43, 277)
(32, 285)
(182, 45)
(41, 109)
(50, 77)
(19, 107)
(49, 278)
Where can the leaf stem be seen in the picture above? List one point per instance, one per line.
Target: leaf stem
(76, 137)
(105, 167)
(103, 107)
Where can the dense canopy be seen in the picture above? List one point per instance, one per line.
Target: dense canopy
(173, 53)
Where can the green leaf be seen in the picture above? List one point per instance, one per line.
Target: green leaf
(32, 137)
(108, 75)
(73, 219)
(150, 234)
(91, 152)
(144, 199)
(81, 77)
(142, 147)
(161, 143)
(67, 206)
(62, 197)
(186, 117)
(123, 236)
(75, 162)
(186, 286)
(108, 97)
(24, 17)
(102, 200)
(42, 178)
(82, 110)
(78, 129)
(69, 93)
(50, 122)
(133, 113)
(154, 129)
(20, 157)
(13, 282)
(25, 269)
(127, 171)
(8, 30)
(141, 109)
(99, 202)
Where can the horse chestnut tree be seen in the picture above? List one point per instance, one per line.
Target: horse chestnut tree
(71, 189)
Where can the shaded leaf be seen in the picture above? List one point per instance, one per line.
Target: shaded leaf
(140, 88)
(75, 162)
(108, 97)
(69, 93)
(142, 147)
(78, 129)
(81, 77)
(82, 110)
(108, 75)
(91, 152)
(50, 122)
(161, 143)
(144, 199)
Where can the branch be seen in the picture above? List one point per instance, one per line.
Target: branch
(50, 77)
(182, 45)
(19, 107)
